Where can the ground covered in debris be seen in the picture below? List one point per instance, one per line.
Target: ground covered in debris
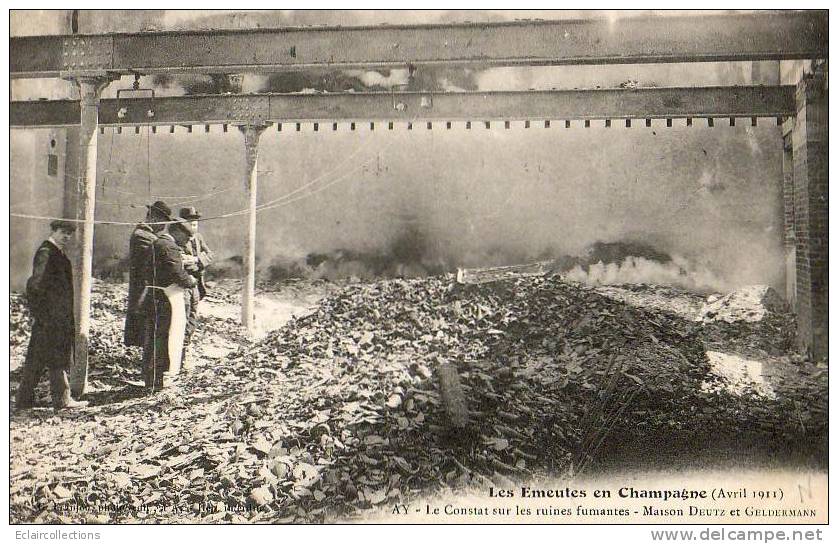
(338, 410)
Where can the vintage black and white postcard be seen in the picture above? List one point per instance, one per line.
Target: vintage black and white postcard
(427, 267)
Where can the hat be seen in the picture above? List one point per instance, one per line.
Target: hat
(161, 208)
(190, 213)
(181, 224)
(62, 224)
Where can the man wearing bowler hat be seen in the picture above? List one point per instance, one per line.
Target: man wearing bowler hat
(49, 293)
(140, 268)
(197, 257)
(167, 270)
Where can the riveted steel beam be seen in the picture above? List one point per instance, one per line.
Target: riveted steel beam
(252, 109)
(777, 35)
(647, 103)
(83, 54)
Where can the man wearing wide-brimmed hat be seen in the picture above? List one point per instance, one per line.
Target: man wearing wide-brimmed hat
(197, 248)
(49, 293)
(197, 257)
(167, 270)
(139, 258)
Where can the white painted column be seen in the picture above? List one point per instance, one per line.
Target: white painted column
(251, 150)
(90, 90)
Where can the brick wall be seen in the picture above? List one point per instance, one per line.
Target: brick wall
(788, 221)
(811, 166)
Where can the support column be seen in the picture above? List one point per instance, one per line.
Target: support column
(810, 138)
(90, 89)
(251, 154)
(788, 223)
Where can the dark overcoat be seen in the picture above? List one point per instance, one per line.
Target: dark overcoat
(49, 293)
(140, 270)
(167, 269)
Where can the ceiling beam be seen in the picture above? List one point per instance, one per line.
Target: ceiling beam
(777, 35)
(646, 103)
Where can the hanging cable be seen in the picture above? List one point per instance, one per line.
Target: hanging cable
(268, 205)
(279, 202)
(203, 219)
(196, 198)
(183, 199)
(275, 203)
(204, 197)
(156, 197)
(148, 157)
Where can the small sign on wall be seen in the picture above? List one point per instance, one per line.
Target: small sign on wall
(52, 157)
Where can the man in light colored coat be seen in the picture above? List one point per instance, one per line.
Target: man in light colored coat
(197, 257)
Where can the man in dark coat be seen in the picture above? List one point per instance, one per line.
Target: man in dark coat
(197, 257)
(139, 276)
(49, 293)
(167, 269)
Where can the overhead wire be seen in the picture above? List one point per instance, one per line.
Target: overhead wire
(277, 202)
(153, 196)
(271, 204)
(148, 157)
(183, 199)
(318, 178)
(280, 202)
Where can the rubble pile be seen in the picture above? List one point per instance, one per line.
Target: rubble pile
(341, 410)
(797, 407)
(112, 365)
(755, 317)
(19, 322)
(657, 298)
(751, 303)
(727, 322)
(107, 302)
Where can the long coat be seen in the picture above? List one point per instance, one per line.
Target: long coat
(167, 269)
(49, 293)
(140, 270)
(197, 247)
(167, 265)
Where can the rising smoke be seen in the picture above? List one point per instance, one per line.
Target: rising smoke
(428, 201)
(413, 202)
(678, 272)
